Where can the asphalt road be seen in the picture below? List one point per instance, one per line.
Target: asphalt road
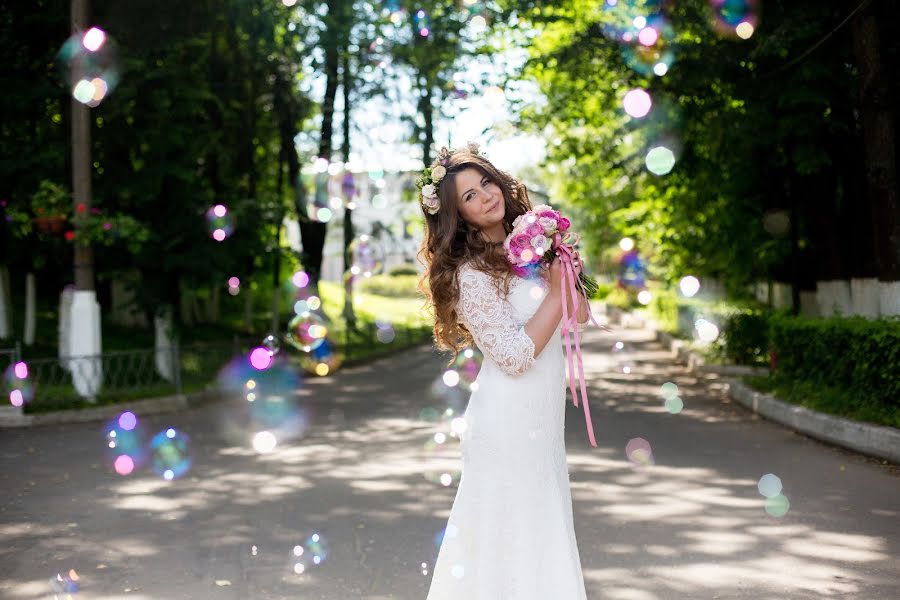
(692, 525)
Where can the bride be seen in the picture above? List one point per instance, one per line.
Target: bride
(510, 535)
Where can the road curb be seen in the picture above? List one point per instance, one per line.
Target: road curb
(148, 406)
(872, 440)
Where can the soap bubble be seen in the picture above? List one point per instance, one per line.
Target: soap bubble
(367, 256)
(90, 66)
(689, 286)
(735, 18)
(170, 454)
(219, 222)
(769, 485)
(18, 384)
(639, 452)
(125, 441)
(307, 331)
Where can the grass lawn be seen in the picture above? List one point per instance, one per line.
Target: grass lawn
(833, 401)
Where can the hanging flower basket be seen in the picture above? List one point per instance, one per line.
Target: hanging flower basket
(51, 224)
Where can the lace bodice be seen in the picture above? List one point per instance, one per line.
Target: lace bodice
(492, 323)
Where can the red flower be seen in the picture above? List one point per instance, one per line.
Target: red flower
(82, 207)
(70, 235)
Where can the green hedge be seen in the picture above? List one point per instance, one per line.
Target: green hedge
(855, 353)
(745, 337)
(392, 286)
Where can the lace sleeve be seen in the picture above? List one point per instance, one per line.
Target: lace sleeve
(490, 321)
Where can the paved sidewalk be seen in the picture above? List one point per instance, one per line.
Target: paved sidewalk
(691, 526)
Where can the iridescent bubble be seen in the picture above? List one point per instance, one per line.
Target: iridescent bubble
(689, 286)
(170, 454)
(707, 331)
(626, 244)
(234, 282)
(271, 343)
(219, 222)
(674, 405)
(442, 464)
(735, 18)
(649, 46)
(668, 390)
(384, 331)
(311, 553)
(19, 384)
(367, 256)
(618, 347)
(263, 400)
(660, 160)
(637, 103)
(467, 365)
(321, 360)
(90, 66)
(307, 331)
(639, 452)
(125, 441)
(769, 485)
(65, 583)
(777, 506)
(644, 297)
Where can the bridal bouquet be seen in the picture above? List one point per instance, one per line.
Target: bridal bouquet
(538, 236)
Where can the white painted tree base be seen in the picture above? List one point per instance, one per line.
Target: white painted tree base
(85, 344)
(809, 306)
(162, 325)
(864, 296)
(889, 298)
(30, 309)
(65, 330)
(833, 298)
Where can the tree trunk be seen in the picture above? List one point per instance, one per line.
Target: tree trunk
(30, 309)
(348, 314)
(878, 125)
(5, 304)
(427, 110)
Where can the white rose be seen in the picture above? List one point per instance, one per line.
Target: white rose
(438, 173)
(428, 191)
(547, 223)
(431, 204)
(541, 208)
(517, 220)
(541, 242)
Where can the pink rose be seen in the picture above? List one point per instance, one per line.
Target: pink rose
(564, 223)
(519, 242)
(534, 229)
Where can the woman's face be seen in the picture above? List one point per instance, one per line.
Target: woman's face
(480, 200)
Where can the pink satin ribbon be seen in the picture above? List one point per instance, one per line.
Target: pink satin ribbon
(564, 251)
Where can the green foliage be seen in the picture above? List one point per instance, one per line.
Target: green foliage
(403, 270)
(391, 286)
(856, 354)
(664, 307)
(744, 338)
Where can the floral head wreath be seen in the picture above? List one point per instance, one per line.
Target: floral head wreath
(432, 176)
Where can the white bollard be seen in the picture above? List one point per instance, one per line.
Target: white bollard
(85, 344)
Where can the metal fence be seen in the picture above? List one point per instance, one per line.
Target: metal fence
(122, 375)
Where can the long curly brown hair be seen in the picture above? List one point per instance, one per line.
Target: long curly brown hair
(450, 241)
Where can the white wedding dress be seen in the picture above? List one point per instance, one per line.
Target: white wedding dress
(510, 534)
